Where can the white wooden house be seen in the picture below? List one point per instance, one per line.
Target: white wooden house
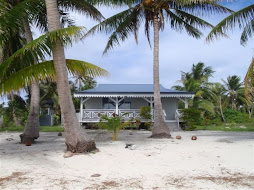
(107, 99)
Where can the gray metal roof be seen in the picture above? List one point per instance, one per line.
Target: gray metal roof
(128, 89)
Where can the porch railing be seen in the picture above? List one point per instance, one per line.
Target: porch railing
(92, 115)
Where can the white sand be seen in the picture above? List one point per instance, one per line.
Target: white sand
(217, 160)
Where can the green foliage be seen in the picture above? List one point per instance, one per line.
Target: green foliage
(145, 112)
(57, 119)
(17, 106)
(148, 124)
(192, 117)
(13, 128)
(234, 116)
(132, 124)
(113, 124)
(247, 127)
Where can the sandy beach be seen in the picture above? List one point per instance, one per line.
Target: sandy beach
(216, 160)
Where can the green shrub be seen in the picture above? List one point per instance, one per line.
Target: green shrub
(192, 117)
(234, 116)
(145, 112)
(114, 124)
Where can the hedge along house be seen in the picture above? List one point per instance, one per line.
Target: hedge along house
(107, 99)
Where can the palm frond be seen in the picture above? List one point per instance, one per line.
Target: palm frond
(81, 6)
(193, 20)
(45, 71)
(130, 25)
(121, 24)
(249, 82)
(200, 7)
(12, 16)
(85, 69)
(178, 24)
(41, 47)
(114, 3)
(207, 106)
(110, 24)
(247, 33)
(240, 18)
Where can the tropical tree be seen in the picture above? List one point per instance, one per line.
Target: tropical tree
(244, 19)
(197, 81)
(233, 86)
(38, 16)
(75, 139)
(155, 14)
(217, 96)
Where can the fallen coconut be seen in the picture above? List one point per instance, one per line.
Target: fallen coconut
(178, 137)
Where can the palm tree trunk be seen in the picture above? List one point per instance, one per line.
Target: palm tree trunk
(15, 118)
(32, 127)
(160, 128)
(251, 111)
(76, 139)
(1, 54)
(221, 110)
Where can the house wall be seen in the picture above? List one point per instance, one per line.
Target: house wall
(93, 103)
(137, 103)
(170, 105)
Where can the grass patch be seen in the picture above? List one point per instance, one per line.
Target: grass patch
(12, 129)
(51, 129)
(42, 129)
(247, 127)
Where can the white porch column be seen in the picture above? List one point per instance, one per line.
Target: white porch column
(117, 104)
(117, 101)
(81, 110)
(82, 101)
(186, 103)
(150, 101)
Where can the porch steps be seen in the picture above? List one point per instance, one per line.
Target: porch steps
(173, 126)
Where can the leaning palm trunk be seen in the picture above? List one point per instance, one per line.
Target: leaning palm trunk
(32, 127)
(75, 138)
(160, 128)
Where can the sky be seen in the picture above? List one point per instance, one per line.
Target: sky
(130, 63)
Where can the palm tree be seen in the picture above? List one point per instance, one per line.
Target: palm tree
(243, 18)
(197, 81)
(31, 130)
(217, 96)
(75, 139)
(233, 87)
(10, 45)
(155, 13)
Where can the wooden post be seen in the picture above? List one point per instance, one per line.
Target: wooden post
(186, 103)
(81, 110)
(117, 103)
